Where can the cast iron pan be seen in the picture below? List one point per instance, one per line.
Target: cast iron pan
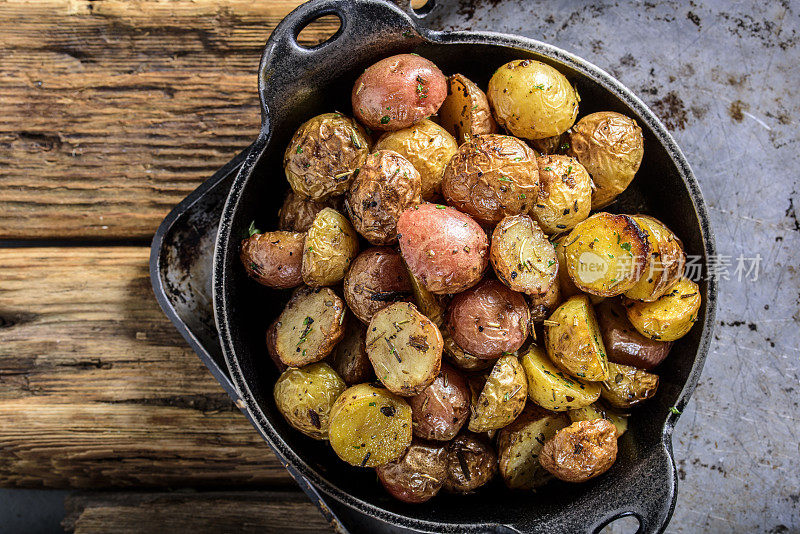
(296, 83)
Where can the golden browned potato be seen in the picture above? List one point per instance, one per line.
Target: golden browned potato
(671, 316)
(349, 357)
(369, 426)
(471, 463)
(520, 443)
(311, 324)
(384, 187)
(331, 245)
(442, 408)
(532, 100)
(298, 212)
(665, 263)
(274, 259)
(628, 386)
(417, 476)
(376, 279)
(461, 359)
(565, 282)
(305, 397)
(428, 147)
(551, 388)
(431, 306)
(598, 411)
(465, 112)
(492, 176)
(565, 194)
(623, 343)
(323, 155)
(522, 256)
(581, 451)
(573, 340)
(405, 349)
(606, 254)
(610, 146)
(542, 306)
(502, 397)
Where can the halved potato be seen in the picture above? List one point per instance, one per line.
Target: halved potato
(606, 254)
(522, 256)
(573, 340)
(502, 397)
(331, 245)
(543, 305)
(565, 194)
(305, 397)
(349, 357)
(405, 348)
(628, 386)
(671, 316)
(465, 112)
(664, 265)
(551, 388)
(369, 426)
(565, 282)
(598, 411)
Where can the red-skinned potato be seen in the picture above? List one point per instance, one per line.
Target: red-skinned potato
(439, 412)
(418, 475)
(471, 463)
(376, 279)
(444, 248)
(349, 358)
(298, 212)
(623, 343)
(398, 91)
(274, 259)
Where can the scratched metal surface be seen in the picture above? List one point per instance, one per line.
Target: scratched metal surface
(723, 77)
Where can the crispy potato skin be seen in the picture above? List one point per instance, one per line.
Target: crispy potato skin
(428, 147)
(322, 155)
(606, 254)
(522, 256)
(532, 100)
(581, 451)
(398, 91)
(274, 259)
(671, 316)
(463, 360)
(417, 476)
(330, 246)
(610, 146)
(385, 186)
(502, 397)
(492, 176)
(465, 113)
(599, 411)
(369, 426)
(349, 357)
(448, 260)
(376, 279)
(623, 343)
(665, 263)
(551, 388)
(471, 463)
(442, 408)
(271, 346)
(305, 397)
(488, 320)
(628, 386)
(565, 194)
(542, 306)
(574, 343)
(298, 212)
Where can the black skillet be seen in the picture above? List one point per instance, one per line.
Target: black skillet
(296, 83)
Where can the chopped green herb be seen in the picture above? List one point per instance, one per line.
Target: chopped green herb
(354, 139)
(252, 230)
(299, 150)
(522, 196)
(439, 207)
(674, 410)
(385, 119)
(626, 246)
(548, 168)
(504, 179)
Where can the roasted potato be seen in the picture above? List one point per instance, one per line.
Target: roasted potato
(501, 398)
(274, 259)
(349, 357)
(272, 349)
(376, 279)
(418, 475)
(298, 212)
(431, 306)
(665, 263)
(532, 100)
(556, 144)
(442, 408)
(383, 188)
(598, 411)
(465, 113)
(323, 155)
(448, 260)
(606, 254)
(311, 324)
(611, 147)
(369, 426)
(305, 397)
(671, 316)
(471, 463)
(488, 320)
(551, 388)
(428, 147)
(628, 386)
(623, 343)
(565, 194)
(581, 451)
(405, 349)
(331, 245)
(492, 176)
(520, 443)
(565, 282)
(573, 340)
(542, 306)
(398, 91)
(522, 256)
(461, 359)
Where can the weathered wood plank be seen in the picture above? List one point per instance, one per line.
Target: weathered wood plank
(97, 389)
(111, 111)
(199, 513)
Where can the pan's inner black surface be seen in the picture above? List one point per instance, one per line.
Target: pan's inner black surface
(657, 190)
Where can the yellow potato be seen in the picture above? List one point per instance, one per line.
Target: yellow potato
(565, 194)
(305, 397)
(671, 316)
(628, 386)
(465, 112)
(573, 341)
(551, 388)
(664, 265)
(598, 411)
(502, 397)
(330, 247)
(522, 256)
